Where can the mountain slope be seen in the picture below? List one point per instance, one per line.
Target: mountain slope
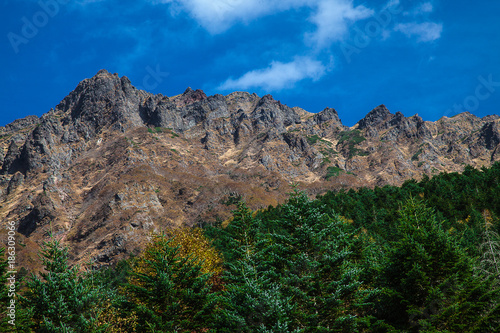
(112, 163)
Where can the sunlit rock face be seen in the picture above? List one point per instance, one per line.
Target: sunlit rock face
(111, 163)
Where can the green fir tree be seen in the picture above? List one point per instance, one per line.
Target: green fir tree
(429, 283)
(61, 298)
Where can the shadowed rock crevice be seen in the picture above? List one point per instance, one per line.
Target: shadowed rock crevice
(490, 135)
(42, 214)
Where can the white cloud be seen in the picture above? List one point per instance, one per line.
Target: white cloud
(331, 21)
(426, 7)
(425, 32)
(85, 2)
(217, 16)
(278, 75)
(333, 18)
(423, 8)
(391, 3)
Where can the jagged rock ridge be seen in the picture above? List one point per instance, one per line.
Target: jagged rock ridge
(111, 163)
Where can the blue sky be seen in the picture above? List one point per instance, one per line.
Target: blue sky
(432, 57)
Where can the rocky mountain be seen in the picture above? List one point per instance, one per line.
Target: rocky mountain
(111, 163)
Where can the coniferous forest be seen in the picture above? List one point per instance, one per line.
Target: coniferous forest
(423, 257)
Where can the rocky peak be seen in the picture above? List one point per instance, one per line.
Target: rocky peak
(397, 119)
(326, 115)
(103, 72)
(102, 100)
(19, 124)
(490, 117)
(271, 113)
(269, 99)
(375, 117)
(95, 172)
(190, 96)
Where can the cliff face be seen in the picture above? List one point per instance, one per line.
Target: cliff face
(111, 163)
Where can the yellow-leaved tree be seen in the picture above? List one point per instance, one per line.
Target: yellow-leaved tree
(173, 284)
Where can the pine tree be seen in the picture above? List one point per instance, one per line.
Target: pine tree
(428, 280)
(295, 271)
(169, 292)
(241, 233)
(310, 255)
(252, 303)
(61, 298)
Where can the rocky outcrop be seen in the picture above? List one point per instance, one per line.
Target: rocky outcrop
(270, 113)
(19, 124)
(42, 213)
(375, 117)
(111, 163)
(489, 135)
(326, 115)
(101, 101)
